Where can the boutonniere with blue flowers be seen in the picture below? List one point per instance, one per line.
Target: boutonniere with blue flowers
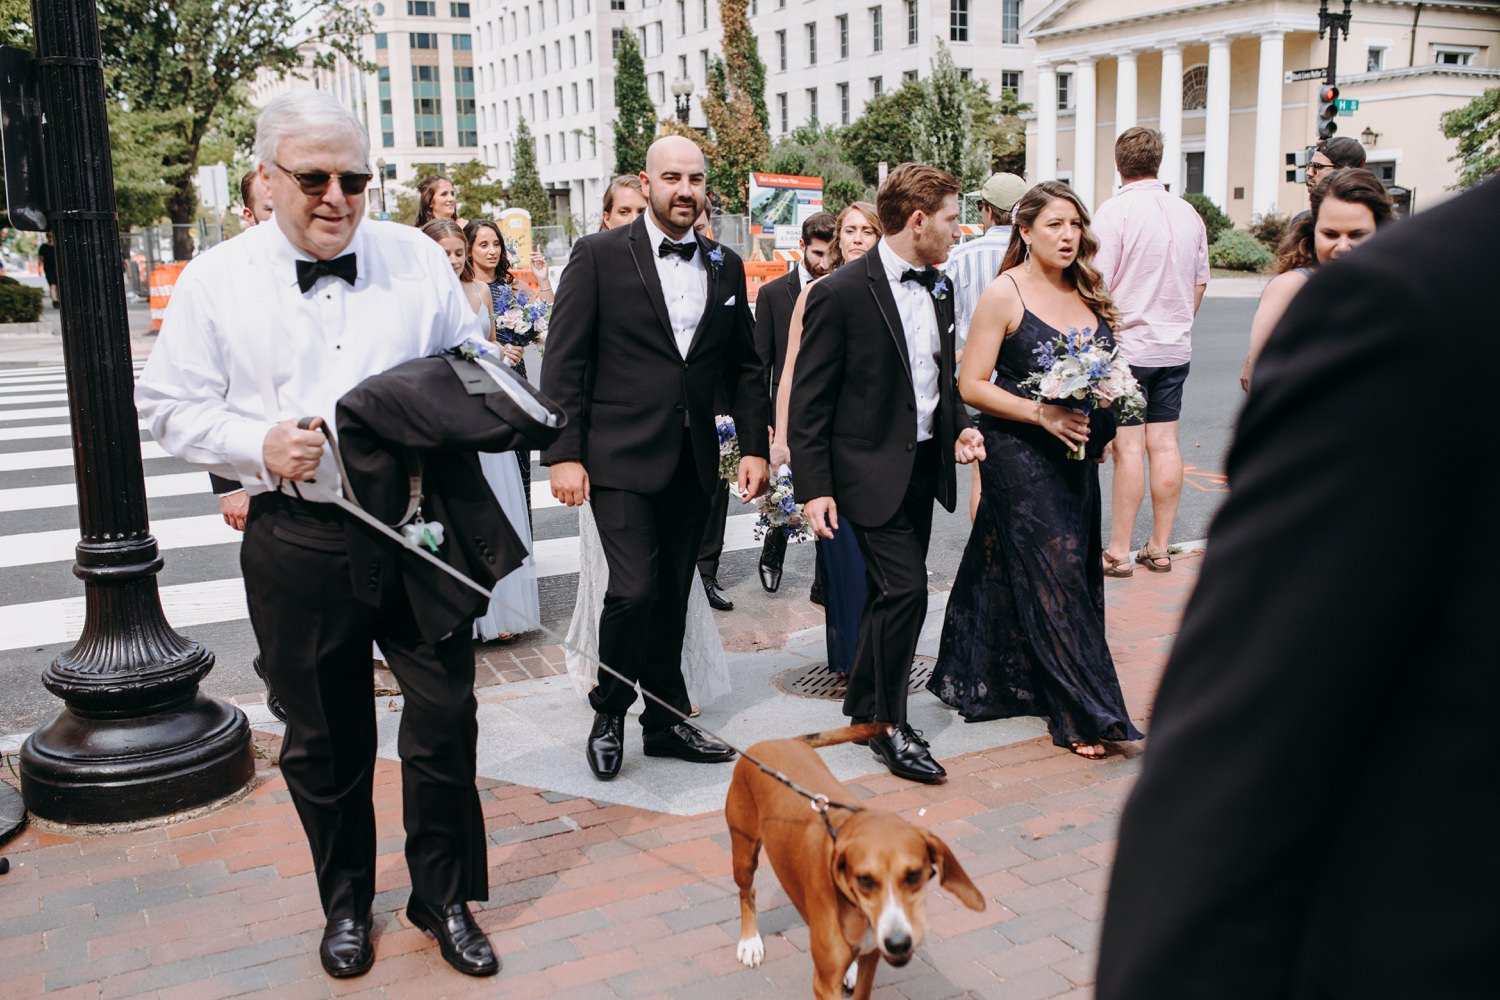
(940, 289)
(716, 259)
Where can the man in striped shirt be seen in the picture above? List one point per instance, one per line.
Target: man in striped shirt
(973, 265)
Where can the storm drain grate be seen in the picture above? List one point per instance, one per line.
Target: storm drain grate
(817, 681)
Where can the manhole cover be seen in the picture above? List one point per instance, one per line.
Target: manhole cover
(817, 681)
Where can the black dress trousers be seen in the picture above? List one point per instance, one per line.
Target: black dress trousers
(315, 641)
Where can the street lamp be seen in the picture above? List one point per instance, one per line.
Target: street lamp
(1370, 136)
(682, 93)
(380, 168)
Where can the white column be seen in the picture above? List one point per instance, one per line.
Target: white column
(1125, 92)
(1085, 131)
(1171, 118)
(1268, 125)
(1046, 123)
(1216, 125)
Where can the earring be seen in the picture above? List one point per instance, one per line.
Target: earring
(1026, 256)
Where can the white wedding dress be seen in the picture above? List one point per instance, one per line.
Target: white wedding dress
(514, 605)
(704, 667)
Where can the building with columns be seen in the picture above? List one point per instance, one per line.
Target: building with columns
(1212, 76)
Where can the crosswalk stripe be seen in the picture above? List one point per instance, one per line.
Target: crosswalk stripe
(42, 432)
(47, 397)
(47, 623)
(66, 494)
(19, 388)
(43, 413)
(57, 458)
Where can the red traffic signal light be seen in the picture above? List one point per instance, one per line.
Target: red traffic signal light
(1328, 110)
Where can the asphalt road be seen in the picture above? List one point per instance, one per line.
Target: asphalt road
(1212, 402)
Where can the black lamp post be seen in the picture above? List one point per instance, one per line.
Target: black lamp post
(380, 166)
(682, 94)
(136, 738)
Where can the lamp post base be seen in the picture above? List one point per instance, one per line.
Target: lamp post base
(82, 769)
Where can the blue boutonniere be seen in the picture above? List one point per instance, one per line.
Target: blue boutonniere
(716, 258)
(940, 289)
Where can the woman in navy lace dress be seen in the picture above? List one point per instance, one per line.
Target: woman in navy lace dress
(1024, 630)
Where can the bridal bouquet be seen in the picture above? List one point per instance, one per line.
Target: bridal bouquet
(1074, 366)
(520, 317)
(779, 509)
(729, 449)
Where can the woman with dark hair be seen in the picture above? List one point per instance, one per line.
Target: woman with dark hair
(857, 230)
(1347, 207)
(436, 199)
(623, 201)
(1023, 633)
(450, 236)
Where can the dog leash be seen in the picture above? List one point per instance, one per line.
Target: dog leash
(420, 544)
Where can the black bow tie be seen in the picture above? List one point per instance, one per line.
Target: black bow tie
(309, 271)
(684, 250)
(927, 277)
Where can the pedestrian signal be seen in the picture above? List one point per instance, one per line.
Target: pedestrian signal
(1328, 110)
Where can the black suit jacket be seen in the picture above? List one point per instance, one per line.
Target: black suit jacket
(613, 365)
(773, 318)
(853, 432)
(419, 418)
(1314, 815)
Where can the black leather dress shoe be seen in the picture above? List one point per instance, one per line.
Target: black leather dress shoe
(815, 594)
(463, 944)
(346, 950)
(272, 702)
(717, 599)
(686, 743)
(772, 557)
(606, 747)
(905, 753)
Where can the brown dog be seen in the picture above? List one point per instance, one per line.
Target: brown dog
(862, 889)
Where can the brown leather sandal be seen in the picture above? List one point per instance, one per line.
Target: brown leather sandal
(1153, 561)
(1116, 567)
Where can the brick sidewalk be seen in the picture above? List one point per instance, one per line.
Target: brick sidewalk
(589, 900)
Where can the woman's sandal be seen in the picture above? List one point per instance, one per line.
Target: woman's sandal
(1088, 750)
(1153, 561)
(1116, 567)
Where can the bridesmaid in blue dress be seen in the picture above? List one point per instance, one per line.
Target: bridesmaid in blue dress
(1024, 629)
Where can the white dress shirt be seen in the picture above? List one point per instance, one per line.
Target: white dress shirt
(684, 284)
(241, 348)
(919, 324)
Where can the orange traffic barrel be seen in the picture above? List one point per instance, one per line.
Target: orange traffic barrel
(163, 279)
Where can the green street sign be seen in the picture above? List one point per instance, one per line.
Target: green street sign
(1347, 107)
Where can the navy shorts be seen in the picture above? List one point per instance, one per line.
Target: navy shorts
(1162, 388)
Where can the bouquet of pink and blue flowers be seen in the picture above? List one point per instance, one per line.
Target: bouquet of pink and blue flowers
(1076, 366)
(779, 509)
(729, 449)
(520, 317)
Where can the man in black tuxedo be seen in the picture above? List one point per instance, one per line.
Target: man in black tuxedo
(649, 320)
(878, 426)
(773, 319)
(1274, 845)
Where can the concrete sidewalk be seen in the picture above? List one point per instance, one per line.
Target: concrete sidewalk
(605, 890)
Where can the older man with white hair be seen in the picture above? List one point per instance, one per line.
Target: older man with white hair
(279, 323)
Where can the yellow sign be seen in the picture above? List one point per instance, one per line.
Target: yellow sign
(515, 230)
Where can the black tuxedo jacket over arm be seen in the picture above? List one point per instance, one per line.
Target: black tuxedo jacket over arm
(773, 319)
(853, 430)
(613, 365)
(1315, 815)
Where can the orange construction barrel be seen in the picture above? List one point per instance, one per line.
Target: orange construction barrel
(163, 279)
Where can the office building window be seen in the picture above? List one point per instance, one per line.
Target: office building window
(387, 112)
(381, 41)
(547, 148)
(463, 102)
(1065, 92)
(1010, 22)
(590, 86)
(877, 29)
(1374, 59)
(1010, 79)
(421, 8)
(812, 105)
(1453, 55)
(616, 4)
(958, 21)
(703, 14)
(911, 22)
(423, 39)
(458, 10)
(659, 87)
(616, 36)
(843, 104)
(812, 44)
(877, 87)
(781, 51)
(783, 114)
(682, 73)
(427, 104)
(704, 62)
(909, 75)
(463, 43)
(682, 17)
(588, 46)
(843, 23)
(965, 74)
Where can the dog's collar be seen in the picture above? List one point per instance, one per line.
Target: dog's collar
(821, 805)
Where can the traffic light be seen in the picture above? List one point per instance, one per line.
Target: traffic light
(1328, 110)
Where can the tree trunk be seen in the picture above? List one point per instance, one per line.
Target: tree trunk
(182, 209)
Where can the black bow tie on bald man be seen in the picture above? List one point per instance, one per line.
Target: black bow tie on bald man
(927, 277)
(309, 271)
(684, 250)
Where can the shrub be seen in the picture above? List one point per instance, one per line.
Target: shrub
(1214, 220)
(1237, 250)
(1270, 229)
(19, 303)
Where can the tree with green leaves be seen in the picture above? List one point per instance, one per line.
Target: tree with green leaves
(1004, 131)
(943, 128)
(735, 108)
(816, 152)
(1476, 126)
(635, 115)
(197, 58)
(526, 189)
(742, 61)
(884, 132)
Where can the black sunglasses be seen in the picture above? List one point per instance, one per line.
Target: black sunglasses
(315, 182)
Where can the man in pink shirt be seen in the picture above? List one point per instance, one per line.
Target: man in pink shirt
(1153, 253)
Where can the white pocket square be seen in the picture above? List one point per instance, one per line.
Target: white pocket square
(730, 300)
